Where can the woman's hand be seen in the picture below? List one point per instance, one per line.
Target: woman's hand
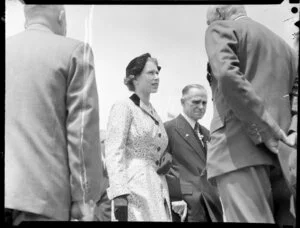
(180, 207)
(165, 164)
(121, 208)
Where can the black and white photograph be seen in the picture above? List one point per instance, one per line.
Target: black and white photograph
(151, 113)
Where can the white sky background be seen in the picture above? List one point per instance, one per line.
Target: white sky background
(174, 34)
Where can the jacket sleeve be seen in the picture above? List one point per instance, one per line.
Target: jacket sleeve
(172, 177)
(82, 126)
(118, 125)
(221, 42)
(294, 107)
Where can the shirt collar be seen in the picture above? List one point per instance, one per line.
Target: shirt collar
(189, 120)
(240, 17)
(40, 27)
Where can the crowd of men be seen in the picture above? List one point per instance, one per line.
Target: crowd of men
(241, 170)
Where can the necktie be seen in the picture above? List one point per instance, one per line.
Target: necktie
(198, 134)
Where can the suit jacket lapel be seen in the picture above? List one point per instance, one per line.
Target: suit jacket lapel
(205, 138)
(187, 133)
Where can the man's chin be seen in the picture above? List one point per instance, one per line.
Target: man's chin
(199, 117)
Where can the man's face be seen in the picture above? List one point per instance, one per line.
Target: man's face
(194, 103)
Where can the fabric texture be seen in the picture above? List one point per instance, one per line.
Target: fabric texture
(247, 195)
(51, 123)
(136, 139)
(253, 74)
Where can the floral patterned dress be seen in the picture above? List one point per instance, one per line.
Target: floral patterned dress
(136, 140)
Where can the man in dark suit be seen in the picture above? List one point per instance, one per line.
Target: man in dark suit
(52, 142)
(253, 71)
(187, 178)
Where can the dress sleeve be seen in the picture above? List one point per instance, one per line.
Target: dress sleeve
(118, 125)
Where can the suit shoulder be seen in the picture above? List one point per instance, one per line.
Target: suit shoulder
(170, 124)
(221, 24)
(124, 104)
(226, 26)
(205, 130)
(72, 44)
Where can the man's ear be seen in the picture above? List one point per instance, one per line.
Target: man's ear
(62, 21)
(182, 101)
(61, 16)
(134, 81)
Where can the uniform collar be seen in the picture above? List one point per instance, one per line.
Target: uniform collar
(39, 27)
(240, 17)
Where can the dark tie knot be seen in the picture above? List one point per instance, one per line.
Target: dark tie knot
(198, 132)
(197, 127)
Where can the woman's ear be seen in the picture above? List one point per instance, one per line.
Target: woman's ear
(134, 80)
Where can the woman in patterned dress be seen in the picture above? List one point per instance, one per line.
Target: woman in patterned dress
(136, 140)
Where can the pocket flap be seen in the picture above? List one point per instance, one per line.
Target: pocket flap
(186, 188)
(216, 124)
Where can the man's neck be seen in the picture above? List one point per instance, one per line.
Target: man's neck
(145, 97)
(191, 121)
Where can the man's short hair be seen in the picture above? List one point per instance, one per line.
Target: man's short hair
(187, 88)
(32, 11)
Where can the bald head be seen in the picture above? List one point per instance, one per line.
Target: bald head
(52, 16)
(224, 12)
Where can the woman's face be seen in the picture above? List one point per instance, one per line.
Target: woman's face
(148, 81)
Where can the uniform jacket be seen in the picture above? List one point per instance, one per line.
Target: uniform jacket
(187, 178)
(253, 74)
(135, 141)
(51, 123)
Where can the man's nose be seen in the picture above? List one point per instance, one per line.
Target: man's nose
(201, 105)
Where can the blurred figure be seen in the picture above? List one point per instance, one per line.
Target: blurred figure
(51, 122)
(292, 160)
(103, 209)
(136, 140)
(253, 71)
(187, 179)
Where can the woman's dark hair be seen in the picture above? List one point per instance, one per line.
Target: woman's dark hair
(135, 68)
